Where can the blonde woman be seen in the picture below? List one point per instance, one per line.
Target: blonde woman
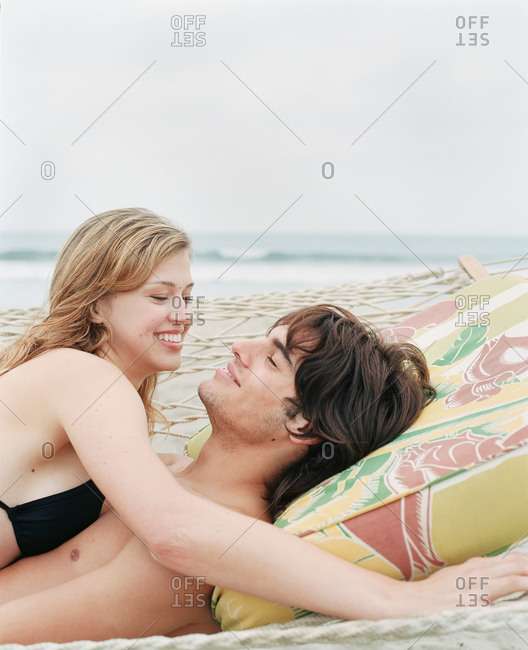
(111, 329)
(76, 394)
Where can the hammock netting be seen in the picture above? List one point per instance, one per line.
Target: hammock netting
(217, 324)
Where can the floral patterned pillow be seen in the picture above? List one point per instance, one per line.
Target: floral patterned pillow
(456, 483)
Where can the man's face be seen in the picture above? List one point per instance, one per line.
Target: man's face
(249, 397)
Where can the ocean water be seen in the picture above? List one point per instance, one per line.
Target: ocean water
(239, 263)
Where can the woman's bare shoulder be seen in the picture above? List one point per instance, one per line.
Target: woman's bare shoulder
(67, 378)
(67, 356)
(60, 375)
(71, 366)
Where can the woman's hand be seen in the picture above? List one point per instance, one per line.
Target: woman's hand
(475, 583)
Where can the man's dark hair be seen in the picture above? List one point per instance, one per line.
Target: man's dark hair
(357, 391)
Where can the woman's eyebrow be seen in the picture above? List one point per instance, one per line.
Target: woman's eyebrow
(170, 284)
(282, 349)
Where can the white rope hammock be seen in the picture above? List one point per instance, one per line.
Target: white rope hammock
(384, 303)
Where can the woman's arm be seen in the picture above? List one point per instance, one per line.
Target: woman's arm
(196, 537)
(130, 597)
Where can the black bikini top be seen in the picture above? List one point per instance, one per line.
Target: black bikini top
(43, 524)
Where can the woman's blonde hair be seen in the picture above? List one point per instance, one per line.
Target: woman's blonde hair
(111, 252)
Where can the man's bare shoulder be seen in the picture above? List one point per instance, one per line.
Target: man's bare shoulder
(175, 462)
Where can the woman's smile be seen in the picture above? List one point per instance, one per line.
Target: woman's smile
(172, 340)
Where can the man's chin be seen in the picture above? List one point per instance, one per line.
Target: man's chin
(206, 392)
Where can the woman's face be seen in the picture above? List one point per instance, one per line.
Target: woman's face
(149, 323)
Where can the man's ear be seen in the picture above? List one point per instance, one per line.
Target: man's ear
(295, 425)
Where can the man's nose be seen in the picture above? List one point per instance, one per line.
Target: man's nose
(245, 350)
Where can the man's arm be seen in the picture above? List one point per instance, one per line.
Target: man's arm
(92, 548)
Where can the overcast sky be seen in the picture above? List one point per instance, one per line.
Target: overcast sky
(419, 112)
